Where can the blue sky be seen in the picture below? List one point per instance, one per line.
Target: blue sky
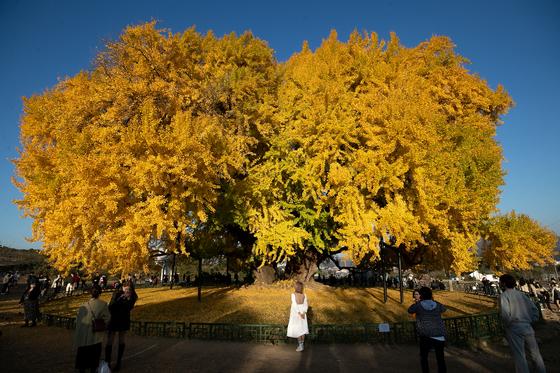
(515, 43)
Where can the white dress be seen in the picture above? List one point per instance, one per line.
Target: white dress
(297, 326)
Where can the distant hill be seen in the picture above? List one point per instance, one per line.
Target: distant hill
(14, 258)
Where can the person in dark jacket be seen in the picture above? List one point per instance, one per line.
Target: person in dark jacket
(120, 306)
(430, 329)
(30, 301)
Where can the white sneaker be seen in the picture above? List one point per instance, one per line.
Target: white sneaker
(299, 348)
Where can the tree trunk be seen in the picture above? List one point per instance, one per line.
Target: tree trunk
(264, 275)
(303, 268)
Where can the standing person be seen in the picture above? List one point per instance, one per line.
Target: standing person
(75, 281)
(415, 299)
(56, 284)
(517, 312)
(131, 279)
(430, 328)
(120, 306)
(416, 296)
(30, 301)
(297, 326)
(87, 341)
(45, 285)
(31, 278)
(523, 286)
(69, 288)
(556, 295)
(95, 279)
(6, 283)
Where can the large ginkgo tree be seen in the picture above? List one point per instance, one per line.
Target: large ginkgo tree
(203, 142)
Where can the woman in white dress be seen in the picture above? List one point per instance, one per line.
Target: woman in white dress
(297, 326)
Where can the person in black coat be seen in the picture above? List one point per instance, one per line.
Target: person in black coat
(120, 306)
(30, 301)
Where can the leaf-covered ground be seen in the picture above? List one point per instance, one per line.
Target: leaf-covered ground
(271, 305)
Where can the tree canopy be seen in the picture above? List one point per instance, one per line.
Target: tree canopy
(194, 137)
(379, 141)
(517, 242)
(140, 145)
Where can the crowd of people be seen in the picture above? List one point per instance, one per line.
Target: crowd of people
(544, 294)
(208, 278)
(358, 279)
(518, 306)
(374, 279)
(49, 289)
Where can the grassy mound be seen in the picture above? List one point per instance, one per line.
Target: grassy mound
(265, 305)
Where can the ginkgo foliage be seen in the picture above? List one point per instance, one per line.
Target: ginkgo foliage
(379, 141)
(517, 242)
(185, 136)
(139, 146)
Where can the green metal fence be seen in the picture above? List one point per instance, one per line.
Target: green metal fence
(459, 330)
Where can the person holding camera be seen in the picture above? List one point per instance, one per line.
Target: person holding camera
(120, 306)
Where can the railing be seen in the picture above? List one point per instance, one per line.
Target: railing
(459, 330)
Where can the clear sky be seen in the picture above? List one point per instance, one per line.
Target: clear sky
(515, 43)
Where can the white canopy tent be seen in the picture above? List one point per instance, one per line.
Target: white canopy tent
(479, 276)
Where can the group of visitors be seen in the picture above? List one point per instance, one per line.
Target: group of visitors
(8, 280)
(208, 278)
(490, 288)
(153, 280)
(544, 294)
(96, 320)
(47, 289)
(370, 278)
(358, 278)
(517, 312)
